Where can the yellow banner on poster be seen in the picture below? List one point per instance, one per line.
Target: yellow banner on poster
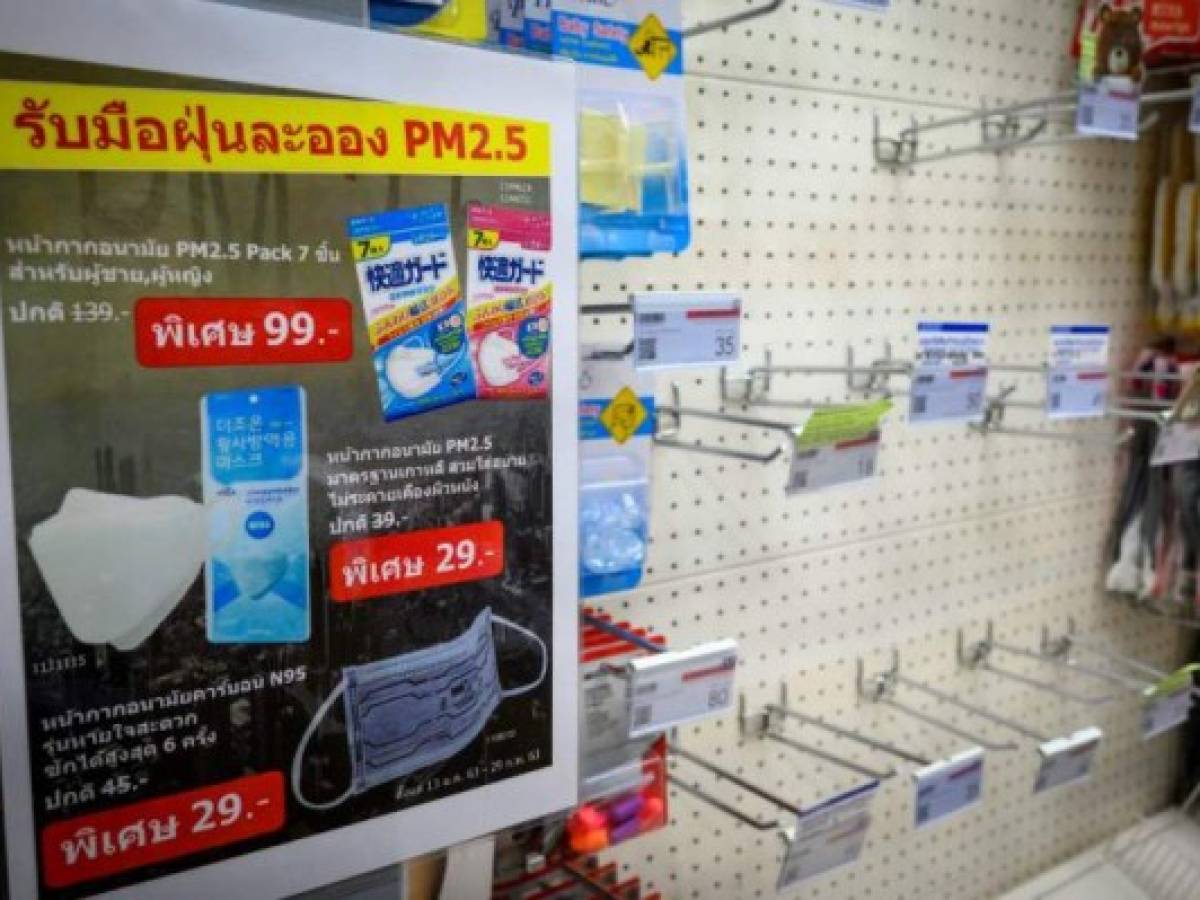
(46, 125)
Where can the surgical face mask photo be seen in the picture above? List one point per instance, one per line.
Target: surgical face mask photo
(499, 360)
(412, 371)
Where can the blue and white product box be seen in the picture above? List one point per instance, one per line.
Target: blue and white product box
(256, 492)
(616, 431)
(632, 124)
(506, 23)
(949, 380)
(536, 25)
(1077, 372)
(416, 317)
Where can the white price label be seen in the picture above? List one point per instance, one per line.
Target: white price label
(949, 382)
(1067, 760)
(841, 463)
(1077, 375)
(669, 689)
(948, 786)
(686, 329)
(828, 836)
(1178, 442)
(1109, 108)
(1194, 114)
(1161, 714)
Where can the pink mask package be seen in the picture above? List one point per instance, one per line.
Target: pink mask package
(508, 302)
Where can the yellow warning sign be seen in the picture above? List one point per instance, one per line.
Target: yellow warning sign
(624, 415)
(652, 46)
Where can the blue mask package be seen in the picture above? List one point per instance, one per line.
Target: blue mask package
(535, 22)
(616, 427)
(416, 317)
(632, 124)
(404, 13)
(256, 493)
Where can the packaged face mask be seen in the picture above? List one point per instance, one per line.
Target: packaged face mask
(414, 710)
(509, 300)
(536, 25)
(506, 23)
(416, 320)
(116, 566)
(256, 488)
(632, 124)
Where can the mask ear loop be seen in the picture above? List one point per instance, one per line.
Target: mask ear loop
(298, 759)
(520, 629)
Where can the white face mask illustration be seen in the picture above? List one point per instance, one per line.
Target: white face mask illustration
(115, 565)
(412, 371)
(499, 360)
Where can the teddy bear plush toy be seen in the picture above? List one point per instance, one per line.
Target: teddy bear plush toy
(1118, 43)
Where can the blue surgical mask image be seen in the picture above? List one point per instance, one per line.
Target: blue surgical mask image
(256, 492)
(417, 709)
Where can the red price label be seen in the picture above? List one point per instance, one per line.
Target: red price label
(249, 331)
(395, 563)
(105, 843)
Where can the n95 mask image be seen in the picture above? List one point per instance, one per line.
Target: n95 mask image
(115, 565)
(509, 297)
(416, 320)
(417, 709)
(256, 486)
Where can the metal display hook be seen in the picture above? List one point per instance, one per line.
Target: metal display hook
(881, 689)
(781, 709)
(666, 434)
(725, 775)
(735, 19)
(1147, 608)
(624, 634)
(993, 423)
(754, 388)
(765, 725)
(1069, 641)
(978, 656)
(1058, 651)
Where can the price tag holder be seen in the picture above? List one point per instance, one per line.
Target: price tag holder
(948, 787)
(1194, 113)
(1166, 712)
(1067, 760)
(679, 686)
(1077, 377)
(828, 836)
(1178, 442)
(1169, 703)
(949, 381)
(672, 330)
(1109, 108)
(837, 445)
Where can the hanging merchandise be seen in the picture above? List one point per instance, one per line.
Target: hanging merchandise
(1111, 70)
(632, 124)
(291, 592)
(535, 22)
(508, 303)
(466, 20)
(616, 427)
(1132, 33)
(506, 23)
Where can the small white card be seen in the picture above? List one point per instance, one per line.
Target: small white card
(1194, 114)
(669, 689)
(1178, 442)
(1161, 714)
(949, 381)
(1109, 108)
(1067, 760)
(1077, 374)
(842, 463)
(828, 836)
(686, 329)
(948, 786)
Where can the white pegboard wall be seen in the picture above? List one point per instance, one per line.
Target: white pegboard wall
(827, 250)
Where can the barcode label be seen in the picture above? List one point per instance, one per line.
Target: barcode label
(1056, 401)
(799, 480)
(641, 716)
(647, 349)
(677, 686)
(947, 787)
(922, 813)
(1077, 372)
(686, 329)
(1087, 115)
(1109, 108)
(920, 403)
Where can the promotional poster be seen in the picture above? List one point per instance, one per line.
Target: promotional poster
(279, 370)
